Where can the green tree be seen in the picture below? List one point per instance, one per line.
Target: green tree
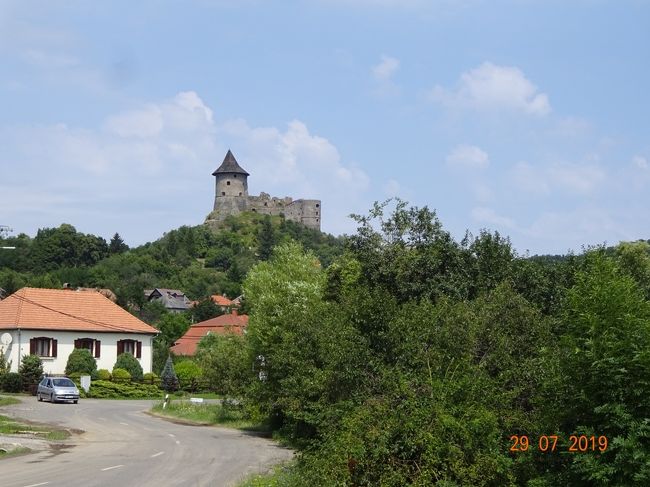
(117, 245)
(81, 361)
(31, 370)
(205, 310)
(226, 363)
(168, 378)
(129, 363)
(266, 239)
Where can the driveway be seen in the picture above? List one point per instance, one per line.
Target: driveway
(122, 446)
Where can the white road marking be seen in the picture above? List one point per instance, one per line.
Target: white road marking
(36, 485)
(178, 442)
(103, 419)
(111, 468)
(125, 424)
(157, 454)
(172, 435)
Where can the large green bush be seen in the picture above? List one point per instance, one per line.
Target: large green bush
(121, 375)
(31, 370)
(11, 382)
(113, 390)
(103, 374)
(189, 374)
(128, 362)
(82, 362)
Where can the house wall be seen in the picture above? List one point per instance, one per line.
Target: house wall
(56, 365)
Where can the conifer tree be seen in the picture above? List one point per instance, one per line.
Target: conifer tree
(168, 378)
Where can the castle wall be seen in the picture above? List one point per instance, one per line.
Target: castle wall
(305, 212)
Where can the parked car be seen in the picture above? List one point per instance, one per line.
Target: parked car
(57, 389)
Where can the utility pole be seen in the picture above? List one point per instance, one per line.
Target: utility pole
(4, 231)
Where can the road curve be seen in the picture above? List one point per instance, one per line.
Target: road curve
(122, 446)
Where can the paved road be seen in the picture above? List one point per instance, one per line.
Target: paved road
(122, 446)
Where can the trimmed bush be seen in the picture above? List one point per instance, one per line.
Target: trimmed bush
(82, 362)
(31, 370)
(121, 375)
(103, 389)
(189, 374)
(168, 378)
(150, 378)
(103, 374)
(12, 382)
(128, 362)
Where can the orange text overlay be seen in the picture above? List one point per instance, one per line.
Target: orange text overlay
(552, 443)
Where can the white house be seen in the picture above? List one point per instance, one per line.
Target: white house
(51, 323)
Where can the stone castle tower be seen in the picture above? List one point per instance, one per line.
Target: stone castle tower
(231, 197)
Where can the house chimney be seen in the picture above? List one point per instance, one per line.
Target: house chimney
(234, 312)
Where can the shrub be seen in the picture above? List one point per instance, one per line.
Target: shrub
(151, 378)
(31, 370)
(12, 382)
(103, 374)
(168, 378)
(188, 373)
(129, 363)
(81, 361)
(121, 375)
(113, 390)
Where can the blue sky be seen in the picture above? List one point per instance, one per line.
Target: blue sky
(529, 117)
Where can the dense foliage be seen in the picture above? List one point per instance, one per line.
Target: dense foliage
(31, 370)
(81, 361)
(168, 378)
(129, 363)
(413, 359)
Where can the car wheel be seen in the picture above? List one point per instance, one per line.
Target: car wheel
(52, 398)
(40, 398)
(75, 402)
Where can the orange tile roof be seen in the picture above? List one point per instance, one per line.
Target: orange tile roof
(221, 300)
(230, 323)
(56, 309)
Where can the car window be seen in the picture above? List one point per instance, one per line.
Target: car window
(63, 383)
(49, 383)
(44, 381)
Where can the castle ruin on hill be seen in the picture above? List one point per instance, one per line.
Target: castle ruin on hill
(231, 198)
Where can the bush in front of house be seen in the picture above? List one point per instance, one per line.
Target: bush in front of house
(128, 362)
(150, 378)
(103, 374)
(82, 362)
(102, 389)
(168, 378)
(121, 375)
(11, 382)
(31, 371)
(189, 374)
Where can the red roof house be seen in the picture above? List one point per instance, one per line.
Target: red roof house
(229, 323)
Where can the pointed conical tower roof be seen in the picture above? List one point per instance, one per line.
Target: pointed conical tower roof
(230, 165)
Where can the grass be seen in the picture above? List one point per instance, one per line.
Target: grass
(209, 414)
(9, 426)
(15, 451)
(282, 475)
(8, 400)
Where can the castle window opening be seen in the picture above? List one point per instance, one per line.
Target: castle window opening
(223, 193)
(240, 193)
(266, 204)
(227, 183)
(317, 205)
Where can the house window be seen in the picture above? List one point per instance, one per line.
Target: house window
(227, 183)
(90, 344)
(43, 347)
(133, 347)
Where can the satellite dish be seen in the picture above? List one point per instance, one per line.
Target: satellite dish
(5, 339)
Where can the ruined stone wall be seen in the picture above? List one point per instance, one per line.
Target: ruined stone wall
(306, 212)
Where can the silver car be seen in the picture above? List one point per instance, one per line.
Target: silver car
(57, 389)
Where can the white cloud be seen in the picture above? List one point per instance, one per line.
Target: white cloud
(571, 178)
(640, 162)
(494, 88)
(489, 216)
(157, 159)
(386, 68)
(392, 188)
(468, 156)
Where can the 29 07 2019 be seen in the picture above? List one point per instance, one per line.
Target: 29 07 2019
(553, 443)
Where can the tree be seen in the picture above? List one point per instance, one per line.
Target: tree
(226, 363)
(205, 310)
(168, 378)
(266, 238)
(117, 245)
(31, 370)
(129, 363)
(81, 361)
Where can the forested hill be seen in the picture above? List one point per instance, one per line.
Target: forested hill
(197, 260)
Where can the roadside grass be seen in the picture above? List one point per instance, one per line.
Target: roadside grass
(282, 475)
(9, 426)
(8, 400)
(14, 451)
(210, 414)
